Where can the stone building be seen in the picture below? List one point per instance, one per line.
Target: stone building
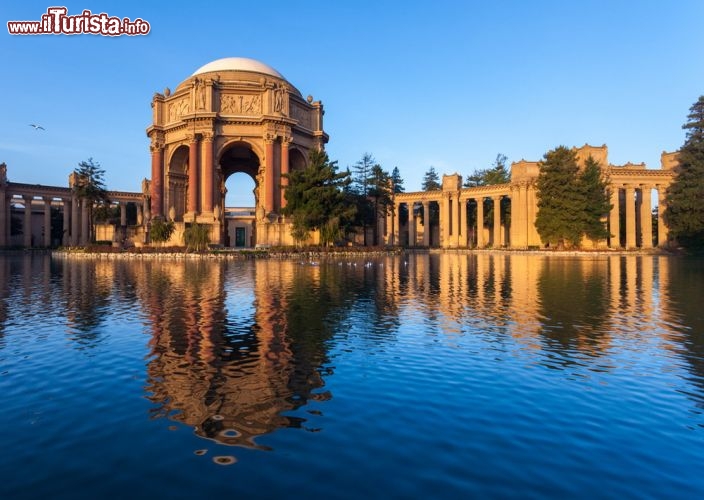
(238, 115)
(231, 115)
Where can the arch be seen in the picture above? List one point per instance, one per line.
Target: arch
(177, 183)
(239, 157)
(296, 160)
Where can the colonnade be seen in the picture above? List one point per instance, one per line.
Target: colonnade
(37, 202)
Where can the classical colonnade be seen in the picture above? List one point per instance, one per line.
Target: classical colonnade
(38, 200)
(630, 221)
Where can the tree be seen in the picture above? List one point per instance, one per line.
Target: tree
(684, 214)
(160, 230)
(397, 181)
(497, 174)
(89, 187)
(561, 200)
(431, 180)
(315, 199)
(196, 237)
(362, 181)
(381, 194)
(596, 200)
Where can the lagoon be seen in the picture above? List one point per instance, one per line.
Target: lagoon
(437, 375)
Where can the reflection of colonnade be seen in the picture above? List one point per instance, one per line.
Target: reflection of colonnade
(35, 217)
(538, 300)
(462, 221)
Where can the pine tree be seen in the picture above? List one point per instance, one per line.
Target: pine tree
(561, 201)
(89, 186)
(684, 214)
(381, 194)
(431, 180)
(315, 199)
(397, 181)
(596, 200)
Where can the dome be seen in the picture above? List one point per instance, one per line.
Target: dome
(238, 64)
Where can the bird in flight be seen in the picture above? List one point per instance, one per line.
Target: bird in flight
(36, 127)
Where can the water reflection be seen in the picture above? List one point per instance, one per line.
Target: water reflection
(237, 348)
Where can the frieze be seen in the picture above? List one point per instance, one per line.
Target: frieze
(178, 109)
(241, 104)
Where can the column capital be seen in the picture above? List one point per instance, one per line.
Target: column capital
(207, 136)
(47, 199)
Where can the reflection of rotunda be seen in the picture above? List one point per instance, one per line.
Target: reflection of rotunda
(232, 115)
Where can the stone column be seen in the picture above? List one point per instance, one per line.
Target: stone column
(630, 217)
(411, 225)
(47, 221)
(646, 220)
(453, 204)
(193, 184)
(207, 173)
(157, 191)
(27, 225)
(462, 216)
(269, 177)
(397, 225)
(123, 213)
(284, 169)
(426, 223)
(67, 219)
(497, 221)
(4, 218)
(614, 224)
(443, 222)
(85, 228)
(480, 222)
(74, 221)
(662, 227)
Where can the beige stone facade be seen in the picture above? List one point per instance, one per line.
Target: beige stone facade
(232, 115)
(632, 189)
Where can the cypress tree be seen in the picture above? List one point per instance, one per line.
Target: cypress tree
(684, 214)
(561, 201)
(596, 199)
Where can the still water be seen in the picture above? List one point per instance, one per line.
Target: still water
(414, 376)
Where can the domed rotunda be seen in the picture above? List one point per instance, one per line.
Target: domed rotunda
(231, 115)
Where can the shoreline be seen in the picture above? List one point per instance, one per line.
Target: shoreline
(311, 253)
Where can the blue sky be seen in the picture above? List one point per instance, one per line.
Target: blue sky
(442, 83)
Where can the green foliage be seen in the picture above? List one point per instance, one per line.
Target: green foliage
(316, 196)
(596, 198)
(560, 199)
(497, 174)
(684, 214)
(571, 204)
(196, 237)
(431, 180)
(397, 181)
(89, 187)
(161, 230)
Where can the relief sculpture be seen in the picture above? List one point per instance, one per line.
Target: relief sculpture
(178, 109)
(241, 104)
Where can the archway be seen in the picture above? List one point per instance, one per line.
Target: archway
(296, 160)
(239, 167)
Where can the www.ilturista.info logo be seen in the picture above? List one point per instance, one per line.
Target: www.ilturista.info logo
(56, 21)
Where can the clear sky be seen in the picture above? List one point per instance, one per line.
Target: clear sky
(416, 83)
